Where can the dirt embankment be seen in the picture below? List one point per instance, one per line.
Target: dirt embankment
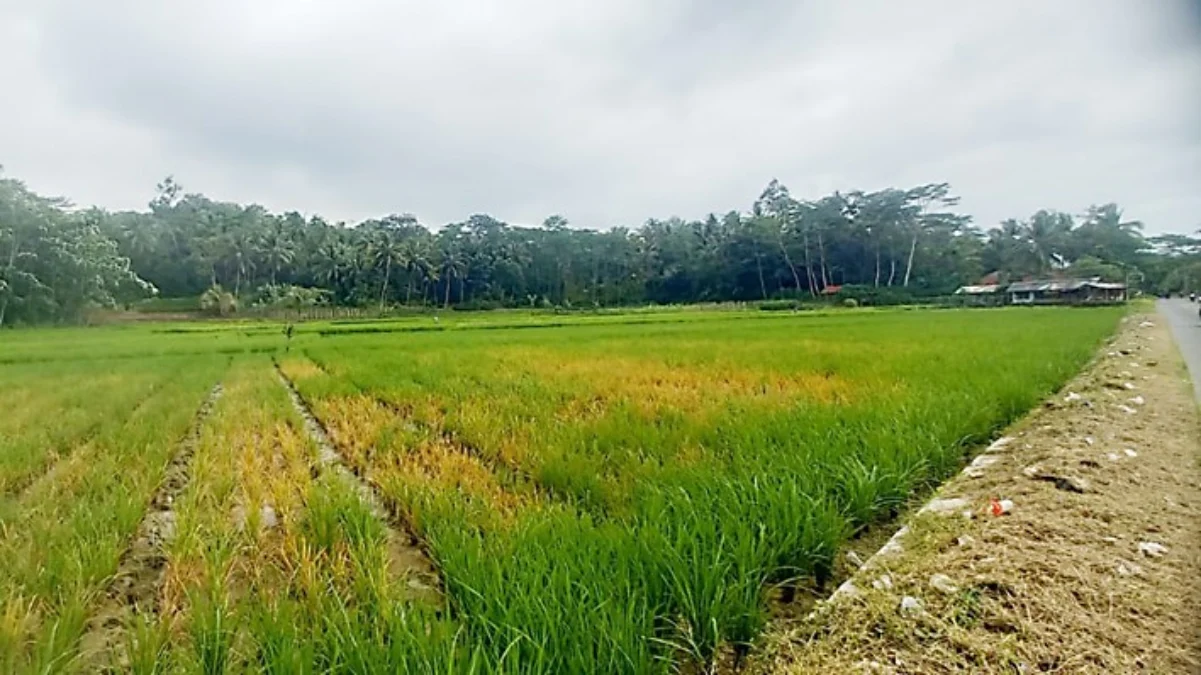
(408, 556)
(135, 588)
(1076, 547)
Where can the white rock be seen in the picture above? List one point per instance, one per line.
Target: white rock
(854, 559)
(239, 517)
(999, 444)
(1126, 569)
(1072, 397)
(1129, 385)
(1090, 440)
(943, 584)
(1146, 324)
(979, 464)
(847, 590)
(1152, 549)
(1127, 409)
(984, 461)
(884, 583)
(1137, 400)
(965, 540)
(911, 606)
(944, 506)
(1130, 453)
(1112, 456)
(1032, 471)
(894, 545)
(267, 517)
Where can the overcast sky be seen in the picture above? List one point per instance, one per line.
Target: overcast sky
(607, 111)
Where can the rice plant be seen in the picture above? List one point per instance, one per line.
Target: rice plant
(609, 494)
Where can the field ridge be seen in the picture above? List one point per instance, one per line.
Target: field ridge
(135, 586)
(1092, 570)
(409, 555)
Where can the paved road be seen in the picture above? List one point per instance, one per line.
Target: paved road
(1186, 328)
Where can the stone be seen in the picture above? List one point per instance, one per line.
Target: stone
(1152, 549)
(911, 606)
(1127, 569)
(944, 506)
(943, 584)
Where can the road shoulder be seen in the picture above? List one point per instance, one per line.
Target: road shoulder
(1095, 567)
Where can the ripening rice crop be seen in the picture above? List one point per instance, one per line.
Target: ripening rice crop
(656, 480)
(596, 496)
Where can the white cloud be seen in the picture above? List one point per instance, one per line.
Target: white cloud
(606, 112)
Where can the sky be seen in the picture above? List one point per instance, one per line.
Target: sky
(606, 112)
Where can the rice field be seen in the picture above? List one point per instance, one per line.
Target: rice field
(529, 494)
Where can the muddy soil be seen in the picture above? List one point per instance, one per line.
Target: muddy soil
(1075, 547)
(139, 579)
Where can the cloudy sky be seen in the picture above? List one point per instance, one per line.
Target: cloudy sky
(606, 111)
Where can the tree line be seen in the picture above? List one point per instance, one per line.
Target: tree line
(57, 260)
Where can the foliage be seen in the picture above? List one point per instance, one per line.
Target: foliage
(1089, 267)
(290, 296)
(56, 263)
(1175, 266)
(913, 242)
(218, 302)
(779, 305)
(877, 296)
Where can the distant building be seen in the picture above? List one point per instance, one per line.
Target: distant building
(982, 294)
(1066, 292)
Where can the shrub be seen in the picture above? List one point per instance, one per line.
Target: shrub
(218, 301)
(287, 296)
(850, 302)
(778, 305)
(878, 296)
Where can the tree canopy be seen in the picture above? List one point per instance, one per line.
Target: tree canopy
(57, 260)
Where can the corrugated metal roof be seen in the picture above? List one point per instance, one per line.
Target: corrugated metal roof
(1060, 286)
(982, 289)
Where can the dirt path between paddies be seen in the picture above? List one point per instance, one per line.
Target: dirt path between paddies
(134, 589)
(407, 554)
(1094, 568)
